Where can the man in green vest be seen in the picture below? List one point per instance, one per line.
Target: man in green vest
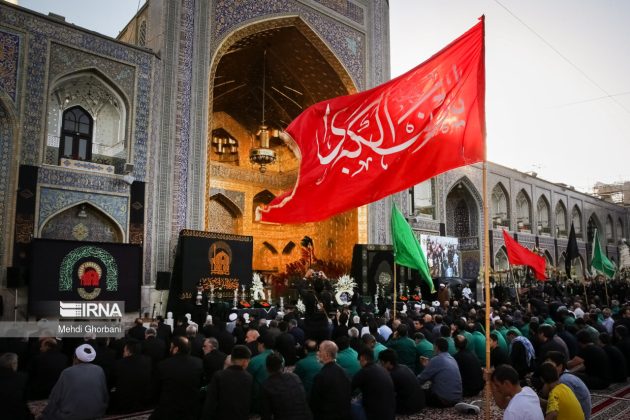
(308, 367)
(370, 341)
(423, 346)
(258, 368)
(479, 344)
(347, 357)
(404, 346)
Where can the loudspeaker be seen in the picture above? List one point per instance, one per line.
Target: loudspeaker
(163, 281)
(16, 277)
(372, 265)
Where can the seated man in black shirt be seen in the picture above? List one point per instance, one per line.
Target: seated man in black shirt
(377, 389)
(616, 359)
(590, 364)
(409, 394)
(469, 368)
(498, 356)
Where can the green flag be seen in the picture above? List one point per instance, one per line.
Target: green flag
(407, 251)
(599, 261)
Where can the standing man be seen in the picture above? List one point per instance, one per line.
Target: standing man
(331, 393)
(213, 358)
(258, 368)
(81, 391)
(283, 395)
(308, 367)
(131, 379)
(229, 393)
(177, 383)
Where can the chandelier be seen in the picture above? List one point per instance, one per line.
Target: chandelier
(263, 155)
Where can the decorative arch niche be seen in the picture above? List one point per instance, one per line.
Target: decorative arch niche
(462, 210)
(610, 232)
(523, 212)
(543, 216)
(226, 216)
(82, 222)
(561, 220)
(501, 260)
(593, 223)
(500, 212)
(576, 219)
(107, 106)
(262, 198)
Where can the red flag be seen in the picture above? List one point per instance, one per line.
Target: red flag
(360, 148)
(519, 255)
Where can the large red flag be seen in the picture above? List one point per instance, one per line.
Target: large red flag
(360, 148)
(519, 255)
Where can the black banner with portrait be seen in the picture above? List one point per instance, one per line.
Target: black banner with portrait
(206, 260)
(82, 271)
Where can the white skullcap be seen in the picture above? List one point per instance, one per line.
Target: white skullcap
(85, 353)
(436, 303)
(356, 319)
(232, 317)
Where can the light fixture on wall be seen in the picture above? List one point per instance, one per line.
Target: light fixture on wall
(224, 145)
(128, 169)
(263, 155)
(82, 213)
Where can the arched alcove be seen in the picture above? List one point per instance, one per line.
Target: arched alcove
(500, 260)
(106, 105)
(262, 198)
(226, 216)
(82, 222)
(543, 216)
(576, 219)
(523, 212)
(462, 210)
(593, 223)
(500, 210)
(610, 230)
(561, 220)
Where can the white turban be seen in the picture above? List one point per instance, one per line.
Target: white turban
(85, 353)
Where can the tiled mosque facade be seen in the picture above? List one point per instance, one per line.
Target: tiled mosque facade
(151, 99)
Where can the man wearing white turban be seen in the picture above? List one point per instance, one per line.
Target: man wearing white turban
(81, 391)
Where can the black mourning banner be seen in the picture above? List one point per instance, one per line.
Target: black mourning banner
(208, 259)
(83, 271)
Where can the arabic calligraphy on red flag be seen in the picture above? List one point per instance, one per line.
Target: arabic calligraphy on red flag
(360, 148)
